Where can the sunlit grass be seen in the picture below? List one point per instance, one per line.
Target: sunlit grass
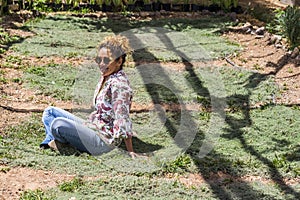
(62, 35)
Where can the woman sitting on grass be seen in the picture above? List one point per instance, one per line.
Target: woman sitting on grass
(110, 122)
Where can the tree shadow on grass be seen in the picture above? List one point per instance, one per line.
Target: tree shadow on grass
(235, 129)
(218, 162)
(236, 126)
(215, 162)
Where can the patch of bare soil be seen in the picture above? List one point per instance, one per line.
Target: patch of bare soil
(13, 181)
(270, 58)
(221, 178)
(265, 53)
(15, 95)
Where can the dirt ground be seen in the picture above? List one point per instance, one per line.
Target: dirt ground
(14, 181)
(259, 54)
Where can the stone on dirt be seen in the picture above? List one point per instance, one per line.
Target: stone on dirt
(260, 31)
(295, 52)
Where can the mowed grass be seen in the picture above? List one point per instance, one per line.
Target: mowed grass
(260, 142)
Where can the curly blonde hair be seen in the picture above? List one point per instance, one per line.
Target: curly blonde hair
(118, 45)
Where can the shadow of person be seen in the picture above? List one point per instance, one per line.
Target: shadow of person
(141, 146)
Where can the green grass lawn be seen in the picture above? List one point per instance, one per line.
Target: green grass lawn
(246, 141)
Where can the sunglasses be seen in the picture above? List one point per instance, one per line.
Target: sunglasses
(106, 60)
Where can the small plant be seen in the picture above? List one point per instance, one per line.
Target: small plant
(107, 2)
(14, 59)
(289, 21)
(146, 2)
(226, 5)
(41, 5)
(117, 3)
(37, 70)
(131, 2)
(34, 194)
(280, 161)
(181, 163)
(17, 80)
(75, 3)
(204, 116)
(205, 101)
(2, 72)
(71, 186)
(285, 86)
(4, 169)
(203, 2)
(99, 2)
(6, 39)
(243, 60)
(235, 3)
(75, 54)
(256, 66)
(290, 70)
(2, 78)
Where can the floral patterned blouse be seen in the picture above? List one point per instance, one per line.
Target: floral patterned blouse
(112, 101)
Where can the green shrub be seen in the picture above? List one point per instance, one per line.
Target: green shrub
(289, 21)
(273, 25)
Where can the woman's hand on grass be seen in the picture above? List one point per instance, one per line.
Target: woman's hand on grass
(134, 155)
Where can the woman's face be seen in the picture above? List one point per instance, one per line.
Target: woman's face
(106, 62)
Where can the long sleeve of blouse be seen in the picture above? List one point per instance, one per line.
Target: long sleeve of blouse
(121, 102)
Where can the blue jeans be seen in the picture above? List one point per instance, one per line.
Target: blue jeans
(66, 128)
